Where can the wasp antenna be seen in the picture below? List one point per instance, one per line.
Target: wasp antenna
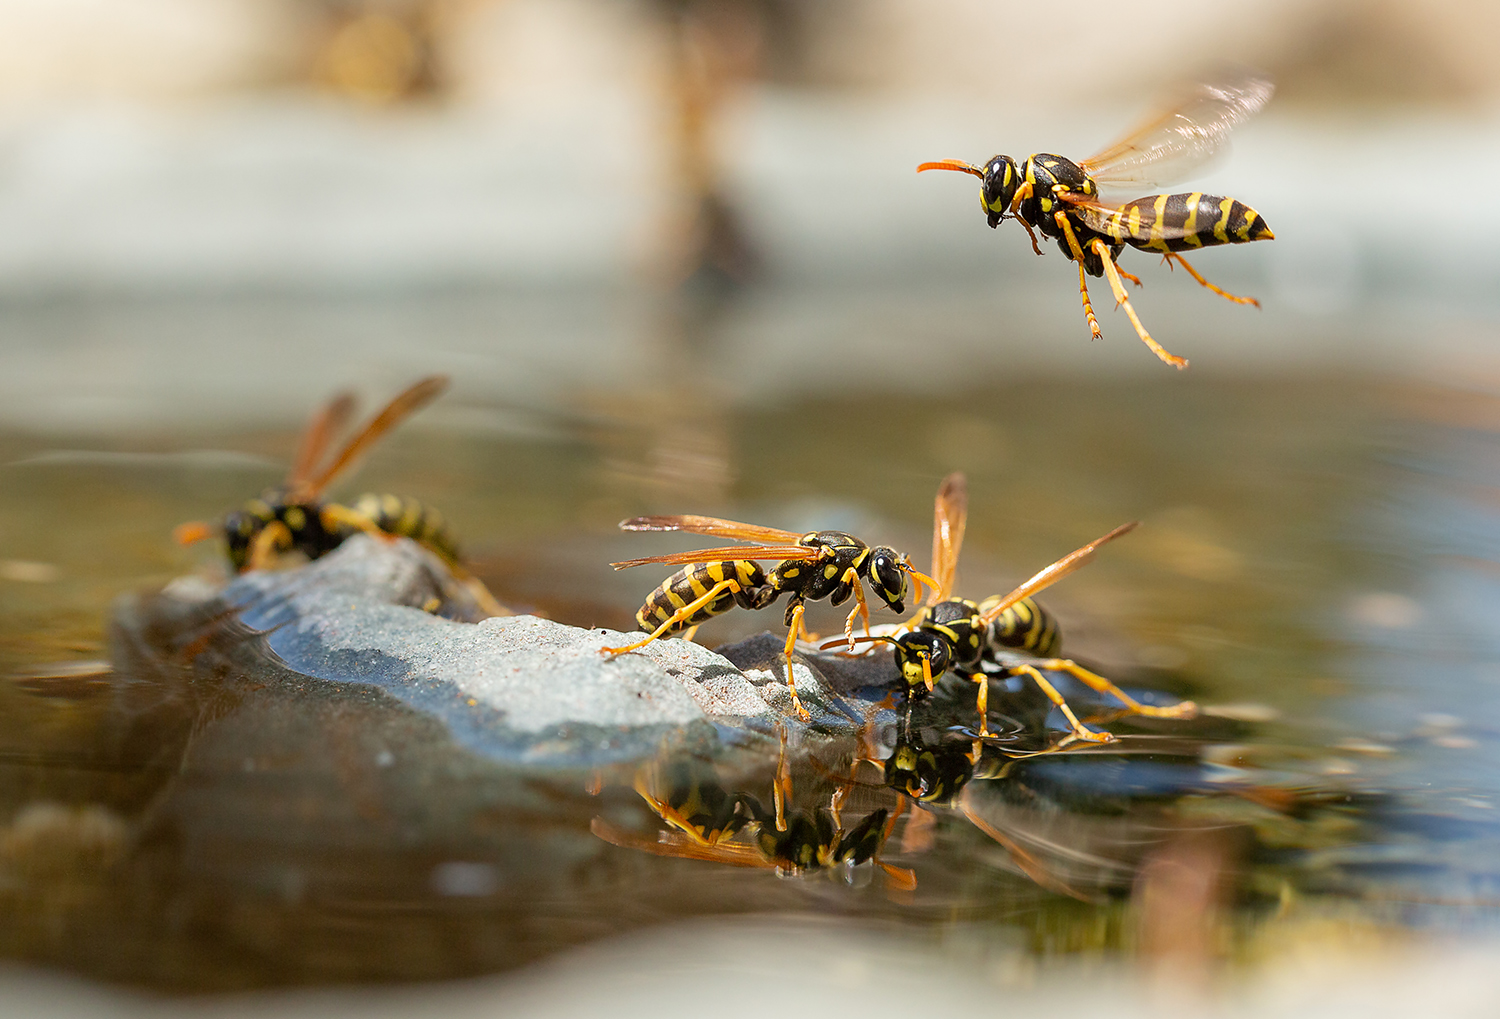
(869, 638)
(192, 532)
(952, 164)
(922, 579)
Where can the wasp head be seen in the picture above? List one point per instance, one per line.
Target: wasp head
(922, 657)
(240, 529)
(888, 570)
(998, 187)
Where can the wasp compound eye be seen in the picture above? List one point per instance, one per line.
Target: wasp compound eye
(1001, 178)
(888, 577)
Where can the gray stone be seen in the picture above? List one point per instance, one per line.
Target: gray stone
(523, 689)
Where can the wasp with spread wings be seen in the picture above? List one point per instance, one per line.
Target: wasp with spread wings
(957, 635)
(294, 516)
(809, 567)
(1063, 198)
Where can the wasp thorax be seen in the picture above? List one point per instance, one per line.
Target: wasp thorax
(888, 576)
(1001, 178)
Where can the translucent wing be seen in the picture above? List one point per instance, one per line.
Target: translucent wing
(1189, 131)
(1101, 217)
(406, 403)
(726, 553)
(674, 843)
(1058, 570)
(330, 419)
(950, 514)
(712, 526)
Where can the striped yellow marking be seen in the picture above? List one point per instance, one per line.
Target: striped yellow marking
(677, 600)
(411, 516)
(1244, 232)
(1160, 208)
(295, 518)
(1221, 228)
(1190, 225)
(1135, 220)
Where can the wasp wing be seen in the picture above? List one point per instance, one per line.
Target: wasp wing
(406, 403)
(1189, 131)
(1102, 217)
(328, 421)
(950, 515)
(1058, 570)
(712, 526)
(676, 844)
(726, 553)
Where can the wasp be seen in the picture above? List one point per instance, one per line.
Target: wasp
(707, 823)
(295, 517)
(970, 638)
(1062, 198)
(809, 567)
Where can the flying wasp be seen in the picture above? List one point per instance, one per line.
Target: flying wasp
(971, 638)
(294, 516)
(1063, 200)
(809, 567)
(707, 823)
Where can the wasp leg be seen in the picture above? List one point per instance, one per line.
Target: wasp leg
(686, 612)
(333, 516)
(781, 791)
(272, 538)
(1132, 277)
(861, 607)
(1094, 681)
(900, 879)
(690, 632)
(1173, 256)
(982, 701)
(1029, 233)
(791, 641)
(1123, 299)
(1080, 731)
(1083, 280)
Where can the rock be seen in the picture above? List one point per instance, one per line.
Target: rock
(518, 689)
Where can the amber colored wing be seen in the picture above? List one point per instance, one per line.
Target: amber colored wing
(950, 515)
(406, 403)
(726, 553)
(676, 844)
(328, 421)
(1186, 134)
(714, 527)
(1058, 570)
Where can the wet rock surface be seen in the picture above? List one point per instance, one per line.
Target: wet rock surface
(518, 689)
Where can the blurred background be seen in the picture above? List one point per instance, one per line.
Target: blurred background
(677, 259)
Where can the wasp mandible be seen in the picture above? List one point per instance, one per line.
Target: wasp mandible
(809, 567)
(958, 635)
(1063, 199)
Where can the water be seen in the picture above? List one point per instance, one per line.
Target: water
(1331, 572)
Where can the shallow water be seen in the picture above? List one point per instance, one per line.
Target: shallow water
(1317, 559)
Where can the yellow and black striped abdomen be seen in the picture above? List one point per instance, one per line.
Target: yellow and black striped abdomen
(1181, 222)
(404, 516)
(692, 582)
(1026, 626)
